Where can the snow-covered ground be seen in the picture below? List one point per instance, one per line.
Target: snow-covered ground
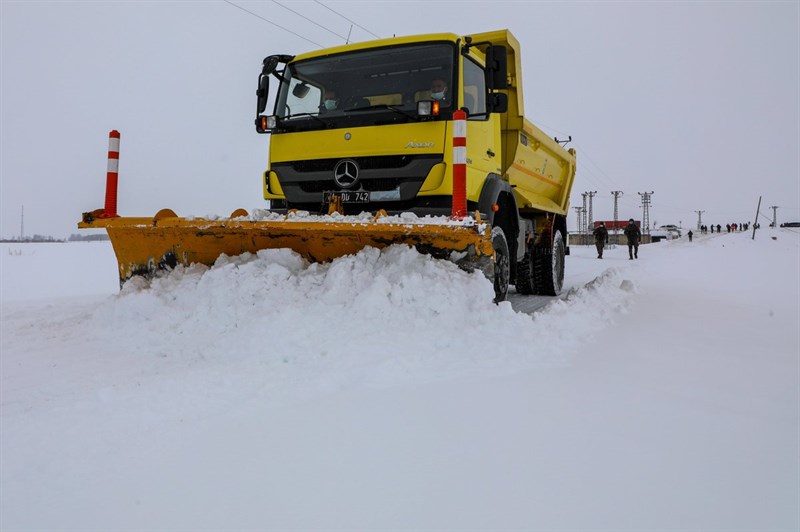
(386, 391)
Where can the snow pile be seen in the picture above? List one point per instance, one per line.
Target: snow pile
(390, 314)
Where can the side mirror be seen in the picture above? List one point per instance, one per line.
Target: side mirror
(497, 102)
(268, 67)
(497, 68)
(300, 91)
(262, 92)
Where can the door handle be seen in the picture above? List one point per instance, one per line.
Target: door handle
(490, 153)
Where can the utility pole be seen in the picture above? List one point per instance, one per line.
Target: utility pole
(755, 222)
(646, 211)
(699, 219)
(578, 211)
(616, 194)
(589, 222)
(583, 220)
(583, 226)
(774, 215)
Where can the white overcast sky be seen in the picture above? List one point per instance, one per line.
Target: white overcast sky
(696, 101)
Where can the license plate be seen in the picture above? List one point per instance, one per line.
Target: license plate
(348, 196)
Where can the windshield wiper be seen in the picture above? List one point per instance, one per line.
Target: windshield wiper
(310, 115)
(381, 106)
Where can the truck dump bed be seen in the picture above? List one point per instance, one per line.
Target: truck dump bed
(539, 171)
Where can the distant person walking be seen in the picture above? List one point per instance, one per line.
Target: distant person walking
(689, 234)
(600, 238)
(633, 234)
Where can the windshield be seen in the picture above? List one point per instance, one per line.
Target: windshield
(365, 87)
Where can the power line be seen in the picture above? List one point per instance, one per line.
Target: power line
(308, 19)
(274, 24)
(347, 19)
(584, 153)
(541, 125)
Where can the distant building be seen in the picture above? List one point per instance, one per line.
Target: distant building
(621, 224)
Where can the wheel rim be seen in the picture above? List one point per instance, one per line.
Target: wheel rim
(558, 262)
(502, 272)
(502, 269)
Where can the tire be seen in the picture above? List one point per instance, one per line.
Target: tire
(502, 264)
(549, 267)
(525, 281)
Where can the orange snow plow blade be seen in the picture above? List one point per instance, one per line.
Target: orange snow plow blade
(146, 245)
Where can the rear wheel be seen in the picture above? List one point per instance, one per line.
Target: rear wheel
(502, 264)
(549, 266)
(525, 282)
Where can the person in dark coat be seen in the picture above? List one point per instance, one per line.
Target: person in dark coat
(600, 238)
(633, 234)
(689, 234)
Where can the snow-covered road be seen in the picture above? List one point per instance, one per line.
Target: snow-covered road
(386, 391)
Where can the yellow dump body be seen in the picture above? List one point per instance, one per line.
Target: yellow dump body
(144, 246)
(540, 170)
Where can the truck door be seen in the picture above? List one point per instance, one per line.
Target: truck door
(483, 149)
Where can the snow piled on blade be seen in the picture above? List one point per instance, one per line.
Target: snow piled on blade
(360, 317)
(405, 218)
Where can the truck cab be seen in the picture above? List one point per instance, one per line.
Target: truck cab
(372, 123)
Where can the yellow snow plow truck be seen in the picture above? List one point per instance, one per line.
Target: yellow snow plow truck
(415, 140)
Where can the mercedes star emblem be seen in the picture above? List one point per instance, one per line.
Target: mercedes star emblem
(345, 173)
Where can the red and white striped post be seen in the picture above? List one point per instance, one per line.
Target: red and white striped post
(459, 164)
(112, 176)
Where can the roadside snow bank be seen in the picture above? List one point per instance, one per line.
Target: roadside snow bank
(50, 271)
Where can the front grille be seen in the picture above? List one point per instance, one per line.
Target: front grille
(372, 185)
(365, 163)
(304, 181)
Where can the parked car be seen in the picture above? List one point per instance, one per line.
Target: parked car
(665, 232)
(673, 229)
(790, 224)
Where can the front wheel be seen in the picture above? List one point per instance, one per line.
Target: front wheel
(502, 264)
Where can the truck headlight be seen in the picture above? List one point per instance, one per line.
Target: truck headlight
(265, 124)
(428, 108)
